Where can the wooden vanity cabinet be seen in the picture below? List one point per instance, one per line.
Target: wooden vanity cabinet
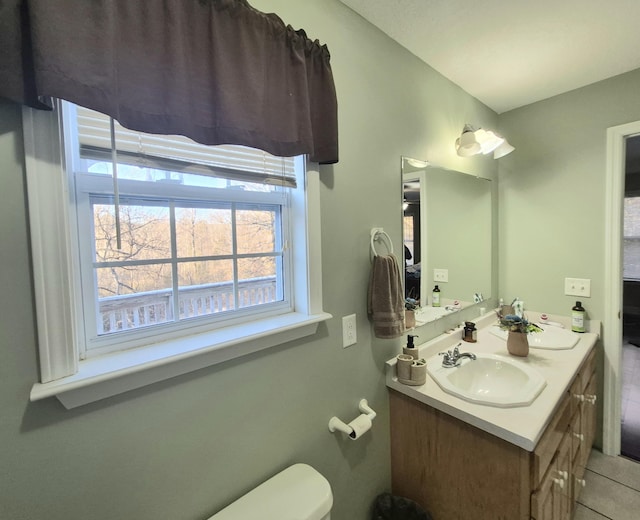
(583, 435)
(458, 472)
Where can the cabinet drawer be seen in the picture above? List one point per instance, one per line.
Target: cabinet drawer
(548, 445)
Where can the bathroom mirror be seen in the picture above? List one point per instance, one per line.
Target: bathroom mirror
(447, 234)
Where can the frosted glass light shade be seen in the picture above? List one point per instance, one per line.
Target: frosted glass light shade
(488, 140)
(467, 145)
(416, 163)
(504, 149)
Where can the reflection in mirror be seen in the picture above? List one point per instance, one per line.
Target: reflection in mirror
(447, 238)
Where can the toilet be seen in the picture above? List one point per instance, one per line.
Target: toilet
(296, 493)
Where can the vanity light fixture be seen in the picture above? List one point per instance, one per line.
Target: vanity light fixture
(504, 149)
(474, 141)
(466, 144)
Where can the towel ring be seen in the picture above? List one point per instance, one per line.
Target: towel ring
(380, 234)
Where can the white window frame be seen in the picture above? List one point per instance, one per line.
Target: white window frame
(92, 343)
(77, 382)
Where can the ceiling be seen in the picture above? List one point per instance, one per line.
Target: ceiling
(510, 53)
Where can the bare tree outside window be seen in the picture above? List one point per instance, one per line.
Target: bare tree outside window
(202, 260)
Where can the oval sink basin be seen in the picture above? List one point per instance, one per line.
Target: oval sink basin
(551, 338)
(490, 380)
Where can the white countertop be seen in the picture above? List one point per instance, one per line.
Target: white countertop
(522, 426)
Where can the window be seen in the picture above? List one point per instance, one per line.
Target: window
(631, 242)
(407, 225)
(209, 258)
(196, 248)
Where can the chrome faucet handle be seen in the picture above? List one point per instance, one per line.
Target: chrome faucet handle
(447, 356)
(456, 351)
(449, 360)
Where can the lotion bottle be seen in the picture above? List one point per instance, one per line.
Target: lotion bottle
(435, 297)
(577, 318)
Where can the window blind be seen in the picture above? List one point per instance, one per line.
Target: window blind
(179, 153)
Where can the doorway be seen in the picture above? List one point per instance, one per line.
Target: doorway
(411, 238)
(630, 373)
(619, 369)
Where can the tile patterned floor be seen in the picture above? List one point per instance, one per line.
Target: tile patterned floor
(630, 426)
(612, 491)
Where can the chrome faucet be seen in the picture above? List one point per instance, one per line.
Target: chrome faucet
(452, 359)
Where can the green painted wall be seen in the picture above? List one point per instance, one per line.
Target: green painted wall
(459, 208)
(187, 447)
(552, 193)
(552, 197)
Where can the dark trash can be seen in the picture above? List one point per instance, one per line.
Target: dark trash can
(389, 507)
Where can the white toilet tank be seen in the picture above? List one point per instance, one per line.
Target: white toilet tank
(296, 493)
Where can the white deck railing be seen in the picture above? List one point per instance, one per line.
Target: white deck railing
(142, 309)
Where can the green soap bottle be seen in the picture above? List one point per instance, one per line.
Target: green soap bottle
(435, 298)
(577, 317)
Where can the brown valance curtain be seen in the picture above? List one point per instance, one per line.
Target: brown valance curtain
(216, 71)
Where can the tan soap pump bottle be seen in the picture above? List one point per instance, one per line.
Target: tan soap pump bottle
(410, 349)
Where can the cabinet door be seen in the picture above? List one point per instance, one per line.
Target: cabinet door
(589, 415)
(565, 498)
(545, 501)
(585, 435)
(553, 500)
(587, 421)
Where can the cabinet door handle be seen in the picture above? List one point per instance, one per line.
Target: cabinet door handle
(579, 397)
(591, 399)
(559, 482)
(564, 475)
(579, 436)
(581, 482)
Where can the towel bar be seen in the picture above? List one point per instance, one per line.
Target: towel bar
(378, 234)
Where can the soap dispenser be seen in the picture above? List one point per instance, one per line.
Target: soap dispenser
(577, 318)
(410, 349)
(435, 297)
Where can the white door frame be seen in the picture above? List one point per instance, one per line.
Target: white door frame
(612, 334)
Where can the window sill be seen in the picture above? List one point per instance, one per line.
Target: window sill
(113, 374)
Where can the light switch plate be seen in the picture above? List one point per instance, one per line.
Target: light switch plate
(441, 275)
(577, 287)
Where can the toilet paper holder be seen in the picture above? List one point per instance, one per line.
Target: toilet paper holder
(356, 428)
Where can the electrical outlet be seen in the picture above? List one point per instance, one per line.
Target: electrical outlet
(577, 287)
(441, 275)
(349, 330)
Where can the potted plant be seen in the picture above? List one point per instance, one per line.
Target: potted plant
(517, 328)
(410, 305)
